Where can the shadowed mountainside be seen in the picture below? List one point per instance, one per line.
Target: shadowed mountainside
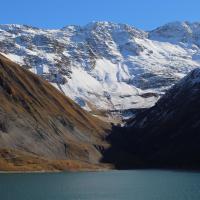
(36, 120)
(166, 135)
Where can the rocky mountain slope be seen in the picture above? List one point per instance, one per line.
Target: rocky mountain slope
(40, 128)
(103, 65)
(166, 135)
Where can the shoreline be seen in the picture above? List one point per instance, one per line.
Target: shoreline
(58, 171)
(99, 170)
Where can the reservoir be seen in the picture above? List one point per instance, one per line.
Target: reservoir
(109, 185)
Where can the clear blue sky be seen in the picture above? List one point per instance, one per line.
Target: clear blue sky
(145, 14)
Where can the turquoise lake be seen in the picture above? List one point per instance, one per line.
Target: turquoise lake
(110, 185)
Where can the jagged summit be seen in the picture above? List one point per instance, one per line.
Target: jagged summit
(185, 32)
(105, 65)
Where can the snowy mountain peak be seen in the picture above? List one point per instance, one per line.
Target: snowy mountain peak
(16, 27)
(105, 65)
(176, 32)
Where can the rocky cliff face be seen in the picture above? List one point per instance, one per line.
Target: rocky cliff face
(38, 124)
(103, 65)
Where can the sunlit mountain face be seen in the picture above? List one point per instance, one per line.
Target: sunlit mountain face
(103, 65)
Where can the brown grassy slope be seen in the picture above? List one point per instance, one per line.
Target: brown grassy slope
(36, 118)
(19, 161)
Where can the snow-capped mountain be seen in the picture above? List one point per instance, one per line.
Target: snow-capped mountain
(103, 65)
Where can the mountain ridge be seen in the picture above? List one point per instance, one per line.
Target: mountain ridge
(40, 124)
(164, 136)
(117, 63)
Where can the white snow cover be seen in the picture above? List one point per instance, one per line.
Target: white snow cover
(107, 65)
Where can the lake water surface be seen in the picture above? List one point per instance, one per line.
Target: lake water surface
(111, 185)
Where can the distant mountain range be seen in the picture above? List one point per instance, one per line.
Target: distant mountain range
(103, 65)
